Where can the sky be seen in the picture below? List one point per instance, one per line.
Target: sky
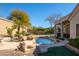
(37, 12)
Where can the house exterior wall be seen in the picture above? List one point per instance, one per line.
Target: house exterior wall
(73, 19)
(58, 26)
(73, 22)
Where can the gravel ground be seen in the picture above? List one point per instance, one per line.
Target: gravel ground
(11, 53)
(8, 49)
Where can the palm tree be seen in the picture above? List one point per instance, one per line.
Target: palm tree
(20, 20)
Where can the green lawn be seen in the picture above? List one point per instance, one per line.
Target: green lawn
(58, 51)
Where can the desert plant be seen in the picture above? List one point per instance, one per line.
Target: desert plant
(23, 33)
(29, 46)
(20, 20)
(9, 32)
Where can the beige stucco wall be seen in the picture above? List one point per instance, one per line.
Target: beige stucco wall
(73, 22)
(6, 23)
(3, 25)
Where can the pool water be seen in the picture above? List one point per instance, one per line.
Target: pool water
(58, 51)
(40, 40)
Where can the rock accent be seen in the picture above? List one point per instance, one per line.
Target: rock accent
(21, 47)
(27, 47)
(29, 37)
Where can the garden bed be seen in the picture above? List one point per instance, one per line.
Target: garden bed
(74, 42)
(72, 48)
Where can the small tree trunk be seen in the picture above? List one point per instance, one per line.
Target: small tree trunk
(18, 30)
(11, 38)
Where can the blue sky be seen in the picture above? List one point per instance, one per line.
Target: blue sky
(38, 12)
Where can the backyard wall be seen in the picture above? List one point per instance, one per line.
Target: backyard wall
(3, 25)
(6, 23)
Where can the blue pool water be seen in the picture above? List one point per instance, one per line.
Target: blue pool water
(44, 41)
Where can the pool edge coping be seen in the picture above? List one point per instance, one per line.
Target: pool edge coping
(72, 48)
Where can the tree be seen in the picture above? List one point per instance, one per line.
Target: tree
(41, 30)
(20, 20)
(52, 19)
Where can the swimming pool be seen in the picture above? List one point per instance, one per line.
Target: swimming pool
(58, 51)
(40, 40)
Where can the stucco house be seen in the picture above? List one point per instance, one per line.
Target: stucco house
(69, 24)
(5, 23)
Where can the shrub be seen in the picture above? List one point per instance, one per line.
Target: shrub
(29, 46)
(74, 42)
(10, 32)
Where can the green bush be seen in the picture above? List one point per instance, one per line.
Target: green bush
(21, 33)
(30, 46)
(74, 42)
